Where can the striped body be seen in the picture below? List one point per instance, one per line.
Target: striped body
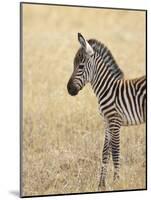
(127, 98)
(130, 101)
(121, 102)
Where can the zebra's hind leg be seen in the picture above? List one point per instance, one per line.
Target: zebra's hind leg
(105, 160)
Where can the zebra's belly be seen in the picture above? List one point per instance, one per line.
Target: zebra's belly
(123, 117)
(126, 119)
(130, 120)
(129, 115)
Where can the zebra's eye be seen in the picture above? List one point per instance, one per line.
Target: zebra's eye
(81, 66)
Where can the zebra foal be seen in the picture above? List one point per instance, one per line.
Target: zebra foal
(121, 102)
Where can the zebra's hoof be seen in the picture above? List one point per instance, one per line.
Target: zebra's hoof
(116, 177)
(116, 183)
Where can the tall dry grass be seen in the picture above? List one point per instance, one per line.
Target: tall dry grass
(62, 135)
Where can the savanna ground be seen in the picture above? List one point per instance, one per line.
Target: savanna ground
(62, 135)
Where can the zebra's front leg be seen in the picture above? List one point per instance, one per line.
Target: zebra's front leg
(115, 147)
(105, 159)
(115, 126)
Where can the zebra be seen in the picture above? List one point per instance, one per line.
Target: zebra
(121, 102)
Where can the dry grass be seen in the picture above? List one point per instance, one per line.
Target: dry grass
(63, 135)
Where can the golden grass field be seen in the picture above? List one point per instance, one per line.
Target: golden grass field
(62, 135)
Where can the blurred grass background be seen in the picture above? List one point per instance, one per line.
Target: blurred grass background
(62, 135)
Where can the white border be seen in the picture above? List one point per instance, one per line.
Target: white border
(9, 99)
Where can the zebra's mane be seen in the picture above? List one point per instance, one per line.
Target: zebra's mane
(105, 53)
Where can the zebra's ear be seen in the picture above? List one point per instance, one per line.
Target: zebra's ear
(88, 49)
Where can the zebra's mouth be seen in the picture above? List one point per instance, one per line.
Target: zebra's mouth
(72, 89)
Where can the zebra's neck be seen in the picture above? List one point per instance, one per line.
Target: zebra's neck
(103, 81)
(105, 71)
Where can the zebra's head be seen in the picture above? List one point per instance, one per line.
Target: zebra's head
(82, 72)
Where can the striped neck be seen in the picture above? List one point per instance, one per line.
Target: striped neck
(105, 69)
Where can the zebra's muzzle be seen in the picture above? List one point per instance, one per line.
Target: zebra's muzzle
(72, 89)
